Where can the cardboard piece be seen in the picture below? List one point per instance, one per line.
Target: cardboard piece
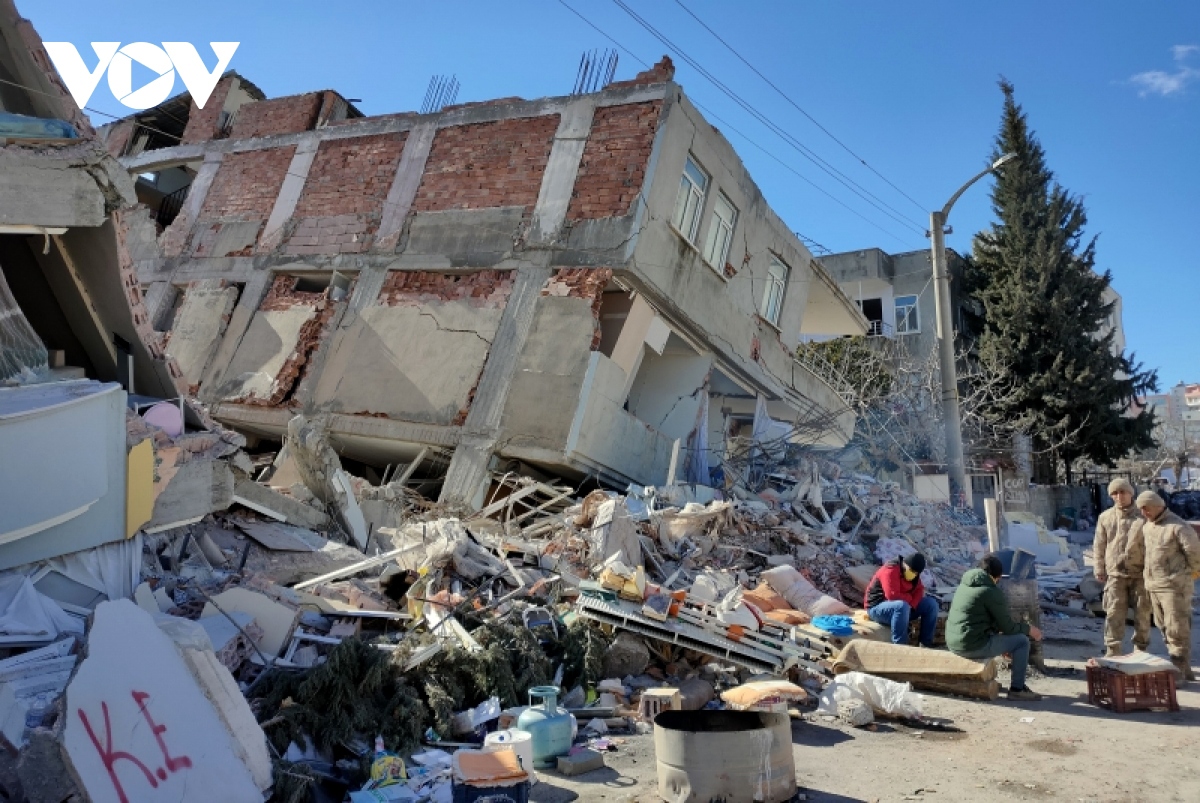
(139, 727)
(276, 620)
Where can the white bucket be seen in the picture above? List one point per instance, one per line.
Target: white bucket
(519, 741)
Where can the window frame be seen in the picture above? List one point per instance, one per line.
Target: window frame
(913, 312)
(773, 282)
(689, 190)
(717, 225)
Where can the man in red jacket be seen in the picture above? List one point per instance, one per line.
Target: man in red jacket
(895, 595)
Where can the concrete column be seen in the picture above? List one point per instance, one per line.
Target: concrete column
(404, 187)
(468, 466)
(176, 235)
(558, 182)
(289, 193)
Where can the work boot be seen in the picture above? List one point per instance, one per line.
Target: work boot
(1185, 669)
(1025, 694)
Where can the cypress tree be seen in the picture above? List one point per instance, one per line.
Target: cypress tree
(1045, 319)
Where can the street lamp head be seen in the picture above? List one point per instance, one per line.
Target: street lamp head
(1008, 157)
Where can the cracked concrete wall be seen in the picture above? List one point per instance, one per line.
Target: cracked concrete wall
(550, 371)
(719, 305)
(199, 325)
(271, 358)
(417, 353)
(666, 391)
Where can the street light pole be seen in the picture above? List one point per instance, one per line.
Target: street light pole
(951, 414)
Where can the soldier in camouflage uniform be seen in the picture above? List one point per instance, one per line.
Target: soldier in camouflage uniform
(1172, 566)
(1120, 559)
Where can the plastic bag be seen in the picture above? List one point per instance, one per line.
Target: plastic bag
(884, 696)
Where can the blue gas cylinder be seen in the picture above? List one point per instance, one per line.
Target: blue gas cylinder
(548, 725)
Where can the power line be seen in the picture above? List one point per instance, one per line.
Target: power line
(796, 106)
(804, 150)
(730, 127)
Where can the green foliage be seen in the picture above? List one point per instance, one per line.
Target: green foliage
(358, 692)
(1045, 315)
(584, 645)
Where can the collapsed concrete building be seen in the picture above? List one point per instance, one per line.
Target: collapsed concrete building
(574, 283)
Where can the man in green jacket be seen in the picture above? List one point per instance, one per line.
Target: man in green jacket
(980, 626)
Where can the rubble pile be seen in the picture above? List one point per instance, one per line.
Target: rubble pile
(349, 639)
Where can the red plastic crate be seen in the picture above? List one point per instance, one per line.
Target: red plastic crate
(1123, 693)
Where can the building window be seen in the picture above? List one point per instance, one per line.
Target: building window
(772, 300)
(908, 320)
(690, 201)
(720, 233)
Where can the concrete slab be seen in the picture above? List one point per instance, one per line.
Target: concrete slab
(257, 497)
(276, 620)
(269, 341)
(279, 537)
(417, 363)
(199, 326)
(138, 725)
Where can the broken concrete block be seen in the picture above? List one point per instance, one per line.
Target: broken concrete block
(695, 693)
(139, 727)
(145, 599)
(627, 655)
(276, 620)
(249, 493)
(578, 763)
(249, 741)
(42, 771)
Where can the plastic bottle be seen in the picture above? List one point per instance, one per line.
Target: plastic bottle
(35, 717)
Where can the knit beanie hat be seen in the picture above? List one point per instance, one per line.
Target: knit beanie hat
(1150, 499)
(1119, 484)
(916, 562)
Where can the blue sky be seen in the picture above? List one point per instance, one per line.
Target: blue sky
(1111, 88)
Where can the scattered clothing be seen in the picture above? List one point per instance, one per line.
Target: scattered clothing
(835, 625)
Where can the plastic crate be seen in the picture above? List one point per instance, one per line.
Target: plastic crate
(517, 793)
(1123, 693)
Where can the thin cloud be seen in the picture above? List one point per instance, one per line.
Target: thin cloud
(1160, 82)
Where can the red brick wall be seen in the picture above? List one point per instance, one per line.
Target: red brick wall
(342, 202)
(202, 123)
(247, 184)
(119, 137)
(487, 164)
(284, 295)
(279, 116)
(659, 73)
(410, 288)
(614, 160)
(586, 283)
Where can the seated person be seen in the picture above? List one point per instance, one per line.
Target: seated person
(895, 595)
(980, 625)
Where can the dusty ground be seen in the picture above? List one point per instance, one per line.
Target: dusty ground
(1071, 751)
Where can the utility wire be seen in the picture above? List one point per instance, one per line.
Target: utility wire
(728, 126)
(788, 138)
(796, 106)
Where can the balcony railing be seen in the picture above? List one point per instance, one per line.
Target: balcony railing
(169, 208)
(880, 329)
